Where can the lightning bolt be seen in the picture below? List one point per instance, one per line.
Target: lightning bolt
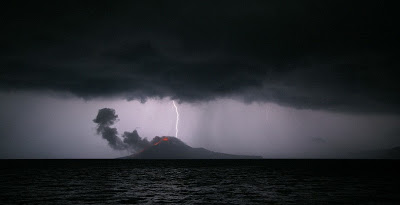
(177, 119)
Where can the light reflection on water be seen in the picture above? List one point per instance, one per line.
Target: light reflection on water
(198, 181)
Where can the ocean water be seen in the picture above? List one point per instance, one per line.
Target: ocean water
(199, 181)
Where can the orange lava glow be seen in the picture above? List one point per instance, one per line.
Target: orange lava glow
(163, 139)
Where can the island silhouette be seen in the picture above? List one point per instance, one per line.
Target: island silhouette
(168, 147)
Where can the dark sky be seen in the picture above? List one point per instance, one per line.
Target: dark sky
(337, 57)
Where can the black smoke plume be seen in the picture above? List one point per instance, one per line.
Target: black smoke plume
(132, 142)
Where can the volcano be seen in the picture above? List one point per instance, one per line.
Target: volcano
(173, 148)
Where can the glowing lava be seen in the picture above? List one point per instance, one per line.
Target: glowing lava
(163, 139)
(177, 119)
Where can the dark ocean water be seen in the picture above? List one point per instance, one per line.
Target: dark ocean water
(199, 181)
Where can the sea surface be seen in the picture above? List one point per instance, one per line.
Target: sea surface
(199, 181)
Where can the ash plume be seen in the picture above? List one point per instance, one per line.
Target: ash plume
(131, 142)
(134, 141)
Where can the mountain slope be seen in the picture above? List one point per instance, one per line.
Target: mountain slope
(173, 148)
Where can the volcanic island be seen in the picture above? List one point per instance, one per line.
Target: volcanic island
(167, 147)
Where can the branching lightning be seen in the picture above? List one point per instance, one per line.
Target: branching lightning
(177, 119)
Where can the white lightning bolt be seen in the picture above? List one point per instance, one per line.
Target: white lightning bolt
(177, 119)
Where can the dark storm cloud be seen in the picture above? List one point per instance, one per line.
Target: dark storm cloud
(335, 55)
(132, 142)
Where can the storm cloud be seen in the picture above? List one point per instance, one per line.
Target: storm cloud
(336, 55)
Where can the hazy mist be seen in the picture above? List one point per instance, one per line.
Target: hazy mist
(43, 125)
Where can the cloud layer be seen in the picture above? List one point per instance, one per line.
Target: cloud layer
(337, 56)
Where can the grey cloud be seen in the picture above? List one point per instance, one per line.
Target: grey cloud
(318, 140)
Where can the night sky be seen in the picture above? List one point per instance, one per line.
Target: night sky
(270, 78)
